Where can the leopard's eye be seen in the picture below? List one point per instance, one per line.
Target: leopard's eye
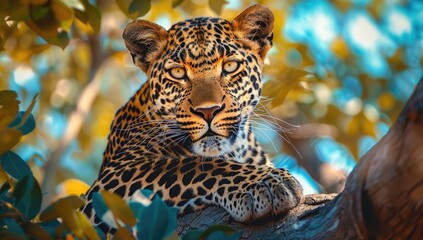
(177, 72)
(230, 66)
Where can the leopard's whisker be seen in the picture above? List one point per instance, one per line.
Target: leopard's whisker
(264, 127)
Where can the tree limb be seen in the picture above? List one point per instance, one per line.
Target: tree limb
(76, 118)
(382, 199)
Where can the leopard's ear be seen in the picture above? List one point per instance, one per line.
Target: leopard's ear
(145, 40)
(255, 24)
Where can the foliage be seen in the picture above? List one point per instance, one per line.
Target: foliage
(346, 66)
(51, 20)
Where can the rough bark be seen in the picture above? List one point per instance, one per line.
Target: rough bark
(382, 198)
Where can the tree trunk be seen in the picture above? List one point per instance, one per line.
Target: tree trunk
(382, 199)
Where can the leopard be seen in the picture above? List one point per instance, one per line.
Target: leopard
(186, 133)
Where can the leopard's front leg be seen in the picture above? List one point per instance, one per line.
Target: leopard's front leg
(246, 191)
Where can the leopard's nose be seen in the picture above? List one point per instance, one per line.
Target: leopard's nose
(207, 113)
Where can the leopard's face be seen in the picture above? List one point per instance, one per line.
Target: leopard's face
(204, 76)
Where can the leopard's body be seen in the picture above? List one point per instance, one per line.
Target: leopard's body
(185, 134)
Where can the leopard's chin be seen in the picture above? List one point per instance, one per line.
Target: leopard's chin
(211, 146)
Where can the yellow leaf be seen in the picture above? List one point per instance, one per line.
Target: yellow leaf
(62, 14)
(56, 209)
(278, 89)
(123, 234)
(217, 5)
(9, 107)
(4, 178)
(124, 7)
(119, 208)
(9, 137)
(72, 187)
(86, 226)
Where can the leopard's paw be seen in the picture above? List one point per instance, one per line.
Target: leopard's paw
(273, 194)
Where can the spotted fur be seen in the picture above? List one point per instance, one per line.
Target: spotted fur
(185, 134)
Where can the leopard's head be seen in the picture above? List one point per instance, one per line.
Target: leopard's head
(205, 73)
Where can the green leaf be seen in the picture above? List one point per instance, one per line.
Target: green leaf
(215, 232)
(99, 205)
(173, 216)
(28, 196)
(61, 40)
(27, 113)
(216, 5)
(40, 12)
(100, 232)
(134, 8)
(218, 235)
(119, 208)
(51, 227)
(91, 16)
(192, 235)
(13, 227)
(162, 220)
(176, 3)
(94, 19)
(137, 209)
(9, 137)
(141, 7)
(219, 227)
(25, 127)
(82, 14)
(9, 107)
(14, 165)
(3, 192)
(148, 193)
(54, 26)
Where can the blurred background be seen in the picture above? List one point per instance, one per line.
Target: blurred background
(335, 80)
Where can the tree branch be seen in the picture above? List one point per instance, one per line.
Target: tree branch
(76, 118)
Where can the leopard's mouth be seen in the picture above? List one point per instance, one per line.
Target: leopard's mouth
(212, 144)
(210, 134)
